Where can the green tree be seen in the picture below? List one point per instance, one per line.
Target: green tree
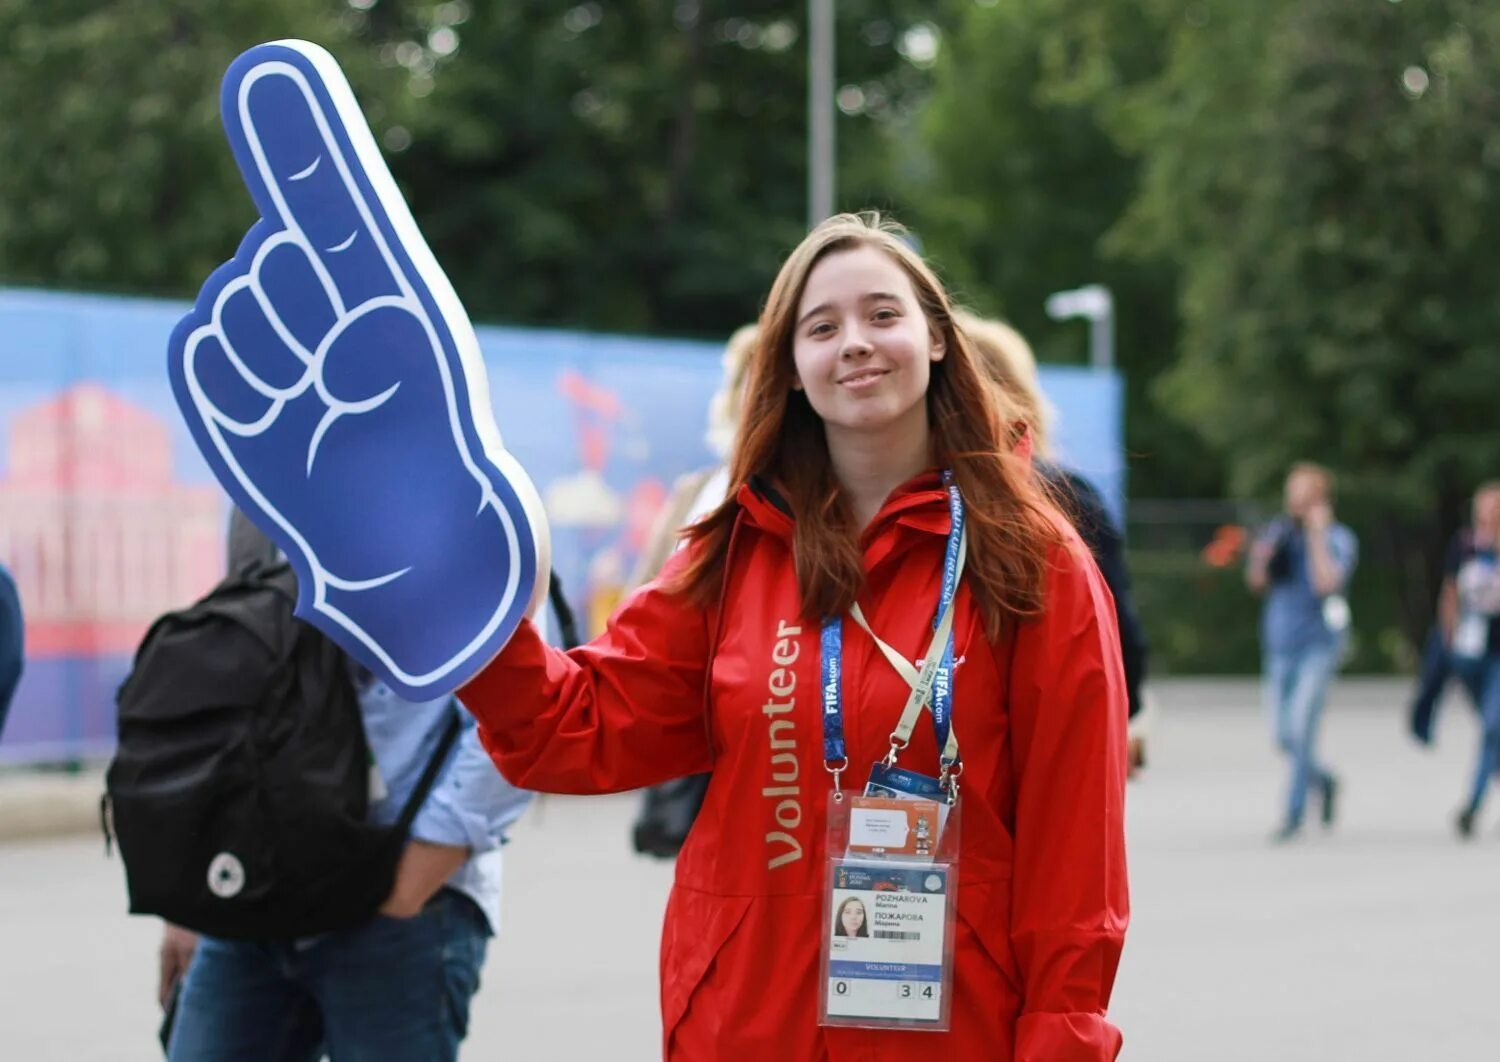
(116, 173)
(1322, 173)
(634, 166)
(1016, 181)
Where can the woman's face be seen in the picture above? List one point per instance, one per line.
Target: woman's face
(853, 918)
(1304, 489)
(862, 347)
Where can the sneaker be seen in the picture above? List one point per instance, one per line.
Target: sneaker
(1330, 789)
(1288, 833)
(1465, 823)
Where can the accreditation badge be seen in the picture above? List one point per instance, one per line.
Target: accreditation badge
(889, 908)
(1472, 636)
(897, 783)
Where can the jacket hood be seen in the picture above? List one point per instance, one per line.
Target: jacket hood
(921, 503)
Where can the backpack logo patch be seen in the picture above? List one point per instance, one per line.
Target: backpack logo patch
(226, 876)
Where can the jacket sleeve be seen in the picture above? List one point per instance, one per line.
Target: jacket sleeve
(1071, 903)
(621, 712)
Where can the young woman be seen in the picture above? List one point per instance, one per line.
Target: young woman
(861, 394)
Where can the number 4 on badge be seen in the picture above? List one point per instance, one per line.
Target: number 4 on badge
(335, 386)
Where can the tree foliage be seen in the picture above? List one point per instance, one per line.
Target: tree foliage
(1322, 171)
(116, 173)
(635, 165)
(1018, 181)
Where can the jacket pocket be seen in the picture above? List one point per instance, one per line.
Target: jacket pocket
(984, 918)
(698, 925)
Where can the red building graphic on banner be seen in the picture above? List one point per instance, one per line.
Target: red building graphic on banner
(99, 536)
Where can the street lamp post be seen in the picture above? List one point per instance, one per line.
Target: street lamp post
(1094, 303)
(820, 115)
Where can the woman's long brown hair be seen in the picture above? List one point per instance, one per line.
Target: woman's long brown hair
(975, 430)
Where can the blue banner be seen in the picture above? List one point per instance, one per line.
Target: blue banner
(109, 516)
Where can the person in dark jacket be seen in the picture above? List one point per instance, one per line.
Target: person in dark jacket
(12, 642)
(1013, 365)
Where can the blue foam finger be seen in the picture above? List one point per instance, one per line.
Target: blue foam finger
(334, 384)
(232, 393)
(255, 339)
(288, 145)
(289, 280)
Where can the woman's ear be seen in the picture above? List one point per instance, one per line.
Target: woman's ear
(796, 382)
(939, 344)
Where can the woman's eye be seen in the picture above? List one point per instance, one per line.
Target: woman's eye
(886, 314)
(822, 328)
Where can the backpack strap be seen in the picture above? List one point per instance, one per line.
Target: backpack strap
(567, 624)
(430, 772)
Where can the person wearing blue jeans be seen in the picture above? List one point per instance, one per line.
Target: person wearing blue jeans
(1481, 677)
(1301, 562)
(397, 988)
(1469, 616)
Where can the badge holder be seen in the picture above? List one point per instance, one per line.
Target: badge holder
(889, 912)
(1472, 636)
(889, 902)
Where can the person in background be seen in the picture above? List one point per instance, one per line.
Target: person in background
(12, 642)
(1301, 562)
(669, 810)
(1010, 360)
(398, 987)
(1469, 617)
(1433, 673)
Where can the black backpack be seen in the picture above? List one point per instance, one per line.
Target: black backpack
(239, 790)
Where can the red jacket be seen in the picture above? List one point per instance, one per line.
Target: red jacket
(1042, 904)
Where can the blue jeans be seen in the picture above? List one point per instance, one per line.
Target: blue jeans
(1296, 685)
(391, 990)
(1481, 677)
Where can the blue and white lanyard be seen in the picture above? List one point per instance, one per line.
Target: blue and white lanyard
(932, 685)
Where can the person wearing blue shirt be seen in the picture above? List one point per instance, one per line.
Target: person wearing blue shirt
(1469, 618)
(1301, 562)
(399, 986)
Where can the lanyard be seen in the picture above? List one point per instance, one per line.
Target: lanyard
(932, 685)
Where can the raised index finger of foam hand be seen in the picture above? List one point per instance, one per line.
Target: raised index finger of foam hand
(304, 150)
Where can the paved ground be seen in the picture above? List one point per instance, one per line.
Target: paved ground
(1377, 942)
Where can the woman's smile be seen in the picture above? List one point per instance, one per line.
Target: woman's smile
(864, 379)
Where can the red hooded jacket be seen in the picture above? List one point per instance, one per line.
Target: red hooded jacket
(672, 689)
